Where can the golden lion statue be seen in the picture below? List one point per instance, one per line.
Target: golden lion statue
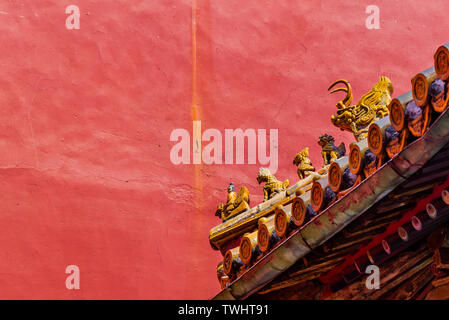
(329, 151)
(371, 107)
(272, 185)
(235, 204)
(305, 167)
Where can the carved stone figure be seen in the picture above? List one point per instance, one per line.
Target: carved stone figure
(272, 185)
(235, 204)
(371, 107)
(329, 151)
(305, 167)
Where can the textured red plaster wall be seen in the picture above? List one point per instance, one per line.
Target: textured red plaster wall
(86, 117)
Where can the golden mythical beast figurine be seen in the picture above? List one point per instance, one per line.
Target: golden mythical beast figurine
(305, 167)
(329, 151)
(235, 204)
(272, 185)
(371, 107)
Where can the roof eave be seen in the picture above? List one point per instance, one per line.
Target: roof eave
(342, 212)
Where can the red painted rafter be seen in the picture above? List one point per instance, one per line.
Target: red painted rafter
(334, 274)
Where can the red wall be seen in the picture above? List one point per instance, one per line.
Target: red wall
(86, 117)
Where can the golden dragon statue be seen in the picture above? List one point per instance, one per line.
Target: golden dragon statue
(371, 107)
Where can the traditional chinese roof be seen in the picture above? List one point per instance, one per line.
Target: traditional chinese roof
(374, 239)
(319, 235)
